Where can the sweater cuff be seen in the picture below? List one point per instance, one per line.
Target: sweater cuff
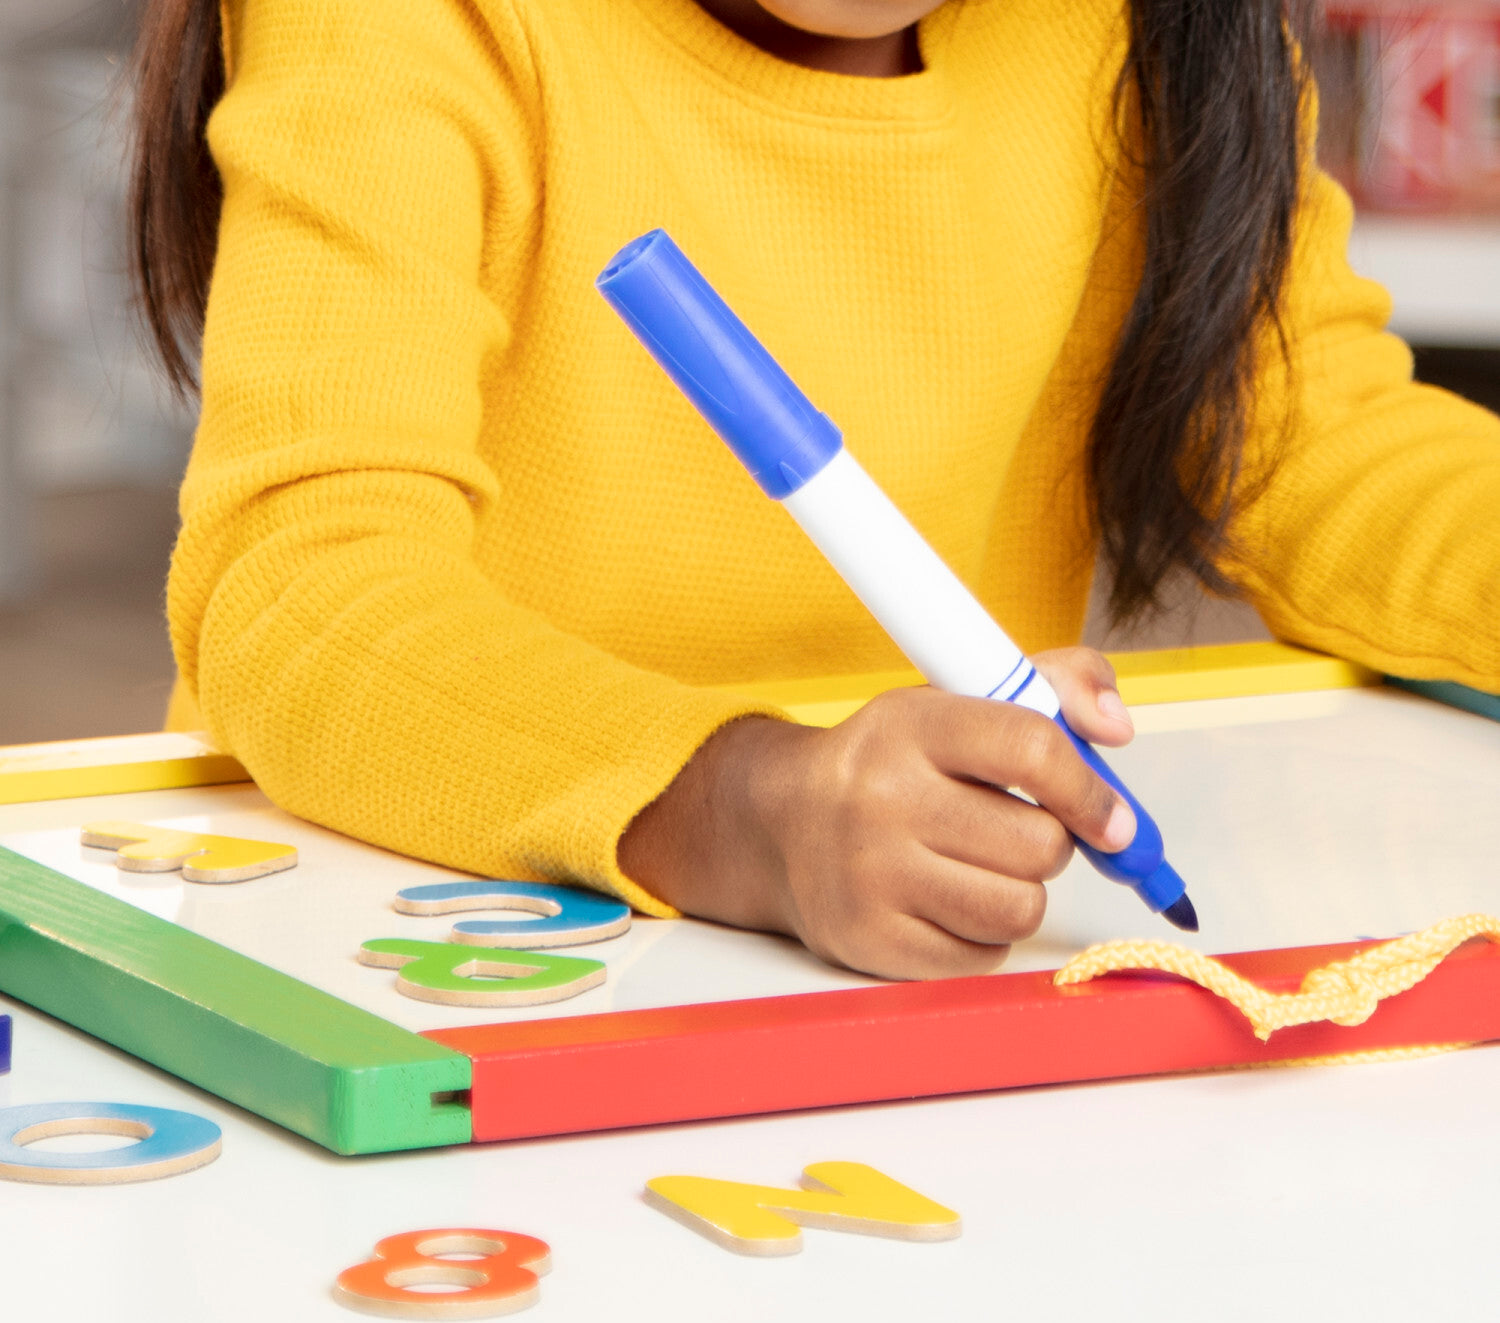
(596, 813)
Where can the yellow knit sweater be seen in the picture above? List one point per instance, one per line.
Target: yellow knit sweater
(457, 560)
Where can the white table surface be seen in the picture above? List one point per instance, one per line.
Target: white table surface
(1334, 1192)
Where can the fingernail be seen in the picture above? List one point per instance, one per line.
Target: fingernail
(1119, 831)
(1112, 706)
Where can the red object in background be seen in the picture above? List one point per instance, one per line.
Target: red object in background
(918, 1040)
(1411, 96)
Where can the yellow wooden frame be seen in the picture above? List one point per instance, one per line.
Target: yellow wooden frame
(168, 761)
(112, 765)
(1173, 675)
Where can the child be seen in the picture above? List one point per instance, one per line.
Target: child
(460, 572)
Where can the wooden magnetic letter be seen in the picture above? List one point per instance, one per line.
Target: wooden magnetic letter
(837, 1196)
(459, 976)
(502, 1280)
(570, 917)
(140, 848)
(170, 1142)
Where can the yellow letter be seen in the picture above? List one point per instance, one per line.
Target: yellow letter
(146, 849)
(839, 1196)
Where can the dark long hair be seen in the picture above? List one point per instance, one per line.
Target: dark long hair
(1213, 89)
(1218, 92)
(175, 191)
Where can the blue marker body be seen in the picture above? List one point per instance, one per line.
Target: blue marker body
(797, 456)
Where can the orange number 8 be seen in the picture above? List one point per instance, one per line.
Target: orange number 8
(503, 1277)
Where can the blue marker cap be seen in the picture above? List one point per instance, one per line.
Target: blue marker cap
(724, 370)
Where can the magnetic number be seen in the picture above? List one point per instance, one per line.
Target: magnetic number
(568, 916)
(501, 1279)
(170, 1142)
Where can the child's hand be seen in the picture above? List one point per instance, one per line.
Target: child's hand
(883, 843)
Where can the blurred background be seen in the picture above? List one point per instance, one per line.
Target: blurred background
(92, 445)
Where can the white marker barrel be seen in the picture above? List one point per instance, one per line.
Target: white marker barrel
(925, 608)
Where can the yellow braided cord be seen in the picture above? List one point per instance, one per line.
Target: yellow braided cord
(1346, 992)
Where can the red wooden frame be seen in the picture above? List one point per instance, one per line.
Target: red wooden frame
(911, 1040)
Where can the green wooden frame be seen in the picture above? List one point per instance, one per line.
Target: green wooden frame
(308, 1061)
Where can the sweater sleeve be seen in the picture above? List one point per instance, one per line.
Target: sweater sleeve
(324, 600)
(1377, 536)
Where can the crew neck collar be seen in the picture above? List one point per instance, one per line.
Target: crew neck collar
(798, 91)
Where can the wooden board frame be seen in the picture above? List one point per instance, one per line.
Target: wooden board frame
(356, 1083)
(1171, 675)
(308, 1061)
(113, 765)
(123, 764)
(1454, 695)
(915, 1040)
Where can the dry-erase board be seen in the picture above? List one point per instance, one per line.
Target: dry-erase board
(1300, 818)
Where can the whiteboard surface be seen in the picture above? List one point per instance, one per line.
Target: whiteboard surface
(1333, 1192)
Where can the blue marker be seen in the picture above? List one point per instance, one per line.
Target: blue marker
(797, 456)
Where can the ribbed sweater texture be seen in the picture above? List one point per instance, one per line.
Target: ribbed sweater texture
(459, 569)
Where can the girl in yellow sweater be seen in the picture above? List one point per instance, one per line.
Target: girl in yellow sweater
(460, 572)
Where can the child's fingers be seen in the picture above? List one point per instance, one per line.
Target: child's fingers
(977, 905)
(1001, 744)
(912, 947)
(1085, 684)
(993, 830)
(921, 915)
